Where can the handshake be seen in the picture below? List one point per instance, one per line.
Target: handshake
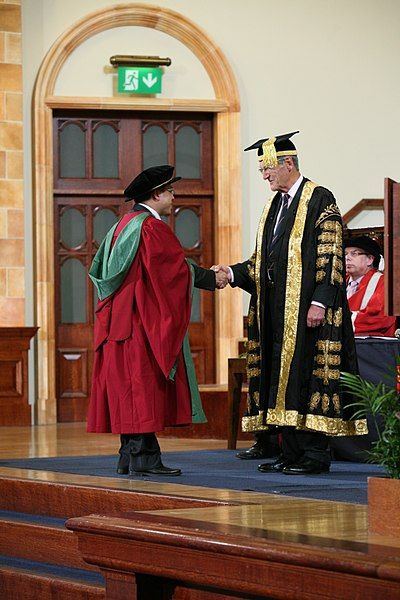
(222, 276)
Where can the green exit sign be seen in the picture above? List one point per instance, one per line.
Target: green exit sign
(139, 80)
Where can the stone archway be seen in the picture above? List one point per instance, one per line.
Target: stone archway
(227, 171)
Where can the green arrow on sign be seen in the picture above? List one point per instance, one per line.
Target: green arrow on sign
(139, 80)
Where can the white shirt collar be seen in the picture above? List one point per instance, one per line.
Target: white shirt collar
(357, 280)
(153, 212)
(293, 190)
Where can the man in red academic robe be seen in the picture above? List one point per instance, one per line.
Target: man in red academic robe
(143, 375)
(366, 288)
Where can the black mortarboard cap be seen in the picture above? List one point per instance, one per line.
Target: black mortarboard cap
(149, 180)
(270, 148)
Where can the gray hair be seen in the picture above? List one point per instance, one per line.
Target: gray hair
(295, 159)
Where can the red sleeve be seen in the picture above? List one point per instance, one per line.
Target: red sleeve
(163, 292)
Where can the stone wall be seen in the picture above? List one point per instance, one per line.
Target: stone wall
(12, 293)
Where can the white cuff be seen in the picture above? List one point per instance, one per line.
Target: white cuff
(318, 304)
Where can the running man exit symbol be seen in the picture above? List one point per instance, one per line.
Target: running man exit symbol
(139, 80)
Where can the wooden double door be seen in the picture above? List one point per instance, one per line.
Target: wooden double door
(96, 155)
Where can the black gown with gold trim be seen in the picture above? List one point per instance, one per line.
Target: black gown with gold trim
(294, 370)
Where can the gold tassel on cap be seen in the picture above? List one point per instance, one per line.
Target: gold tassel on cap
(270, 155)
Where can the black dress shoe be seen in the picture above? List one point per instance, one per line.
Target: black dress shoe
(123, 469)
(160, 470)
(254, 452)
(308, 466)
(275, 467)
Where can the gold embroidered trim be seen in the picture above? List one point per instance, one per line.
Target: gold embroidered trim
(254, 423)
(337, 268)
(338, 317)
(315, 399)
(337, 264)
(256, 398)
(336, 403)
(332, 209)
(336, 277)
(248, 402)
(325, 401)
(293, 287)
(329, 249)
(250, 270)
(327, 237)
(334, 426)
(334, 317)
(329, 225)
(251, 345)
(319, 276)
(253, 372)
(328, 359)
(326, 374)
(253, 359)
(322, 261)
(251, 315)
(327, 345)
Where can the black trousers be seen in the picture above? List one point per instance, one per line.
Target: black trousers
(305, 444)
(144, 451)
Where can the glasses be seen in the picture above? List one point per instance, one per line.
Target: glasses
(355, 253)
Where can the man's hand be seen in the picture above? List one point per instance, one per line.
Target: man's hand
(315, 315)
(222, 276)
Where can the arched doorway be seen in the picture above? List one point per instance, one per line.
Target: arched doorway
(226, 168)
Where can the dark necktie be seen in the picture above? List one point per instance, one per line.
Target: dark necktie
(279, 227)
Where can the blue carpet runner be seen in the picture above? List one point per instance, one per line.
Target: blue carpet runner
(346, 482)
(38, 568)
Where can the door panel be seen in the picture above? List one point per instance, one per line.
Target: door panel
(96, 156)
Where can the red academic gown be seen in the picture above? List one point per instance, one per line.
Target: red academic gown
(139, 333)
(371, 320)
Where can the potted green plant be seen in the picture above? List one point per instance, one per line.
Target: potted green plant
(382, 403)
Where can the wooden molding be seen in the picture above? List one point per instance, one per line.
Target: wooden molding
(364, 204)
(226, 107)
(215, 559)
(156, 104)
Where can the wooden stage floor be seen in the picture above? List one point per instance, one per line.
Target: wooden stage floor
(329, 526)
(336, 520)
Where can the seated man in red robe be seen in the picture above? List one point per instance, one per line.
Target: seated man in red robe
(143, 374)
(366, 289)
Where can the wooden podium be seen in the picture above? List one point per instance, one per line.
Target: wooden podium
(14, 346)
